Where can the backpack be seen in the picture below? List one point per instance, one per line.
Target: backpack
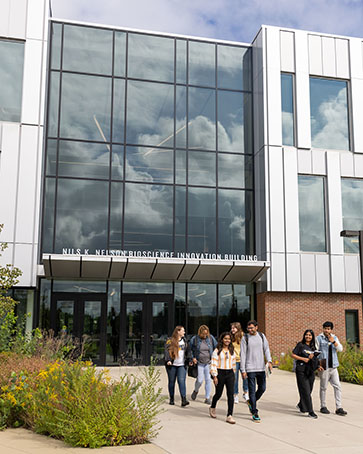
(261, 336)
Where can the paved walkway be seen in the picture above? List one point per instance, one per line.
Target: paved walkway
(190, 430)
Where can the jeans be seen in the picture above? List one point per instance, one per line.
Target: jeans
(225, 377)
(254, 395)
(204, 375)
(174, 373)
(236, 377)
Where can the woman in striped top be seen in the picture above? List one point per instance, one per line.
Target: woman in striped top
(223, 369)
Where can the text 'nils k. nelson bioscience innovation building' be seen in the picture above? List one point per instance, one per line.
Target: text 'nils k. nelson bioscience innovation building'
(158, 180)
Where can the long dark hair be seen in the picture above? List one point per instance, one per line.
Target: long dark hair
(312, 343)
(220, 343)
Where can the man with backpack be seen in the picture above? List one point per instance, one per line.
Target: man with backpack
(254, 350)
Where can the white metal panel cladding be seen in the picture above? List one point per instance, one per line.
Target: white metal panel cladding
(293, 273)
(335, 217)
(358, 165)
(342, 58)
(308, 273)
(8, 178)
(32, 82)
(35, 19)
(304, 161)
(291, 196)
(4, 18)
(328, 54)
(27, 185)
(17, 18)
(303, 134)
(318, 162)
(356, 58)
(23, 258)
(258, 111)
(337, 273)
(352, 273)
(276, 199)
(274, 126)
(356, 86)
(322, 264)
(315, 55)
(287, 49)
(277, 272)
(346, 165)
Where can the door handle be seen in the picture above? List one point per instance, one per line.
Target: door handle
(151, 338)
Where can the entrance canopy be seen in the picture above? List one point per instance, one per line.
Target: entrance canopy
(152, 269)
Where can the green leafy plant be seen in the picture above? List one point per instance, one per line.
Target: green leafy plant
(286, 362)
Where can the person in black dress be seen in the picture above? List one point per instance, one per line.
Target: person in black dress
(306, 364)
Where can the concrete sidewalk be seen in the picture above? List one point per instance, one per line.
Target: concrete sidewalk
(187, 430)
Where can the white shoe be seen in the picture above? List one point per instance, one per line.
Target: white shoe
(245, 396)
(236, 399)
(230, 420)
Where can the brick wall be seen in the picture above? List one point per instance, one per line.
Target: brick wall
(284, 317)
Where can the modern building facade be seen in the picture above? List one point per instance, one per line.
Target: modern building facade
(156, 180)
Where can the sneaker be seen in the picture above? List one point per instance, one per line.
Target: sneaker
(207, 401)
(324, 410)
(236, 399)
(245, 396)
(341, 412)
(212, 412)
(194, 395)
(249, 406)
(256, 418)
(230, 420)
(313, 415)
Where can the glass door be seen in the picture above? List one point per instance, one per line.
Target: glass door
(147, 326)
(83, 316)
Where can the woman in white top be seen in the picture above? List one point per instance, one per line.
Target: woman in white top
(223, 369)
(177, 357)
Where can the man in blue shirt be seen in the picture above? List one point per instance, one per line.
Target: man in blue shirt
(329, 345)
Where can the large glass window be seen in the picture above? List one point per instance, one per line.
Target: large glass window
(148, 217)
(201, 220)
(234, 67)
(329, 114)
(202, 61)
(202, 307)
(352, 205)
(87, 50)
(234, 304)
(150, 114)
(149, 164)
(82, 212)
(11, 79)
(312, 213)
(86, 107)
(202, 119)
(151, 57)
(202, 168)
(235, 171)
(234, 221)
(287, 107)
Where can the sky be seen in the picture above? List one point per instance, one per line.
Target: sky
(236, 20)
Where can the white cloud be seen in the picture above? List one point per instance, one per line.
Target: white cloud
(236, 19)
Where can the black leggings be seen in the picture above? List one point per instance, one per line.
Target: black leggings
(225, 377)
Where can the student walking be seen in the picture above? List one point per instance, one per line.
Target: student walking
(237, 334)
(202, 346)
(254, 350)
(329, 345)
(177, 357)
(305, 366)
(223, 368)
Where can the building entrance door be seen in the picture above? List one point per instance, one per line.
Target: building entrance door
(82, 314)
(147, 324)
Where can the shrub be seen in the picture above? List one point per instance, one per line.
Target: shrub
(77, 403)
(351, 364)
(286, 362)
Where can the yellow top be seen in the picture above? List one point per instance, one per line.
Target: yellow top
(237, 351)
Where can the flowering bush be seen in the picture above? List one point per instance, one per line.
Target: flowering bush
(82, 406)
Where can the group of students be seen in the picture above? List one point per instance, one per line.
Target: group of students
(220, 362)
(249, 354)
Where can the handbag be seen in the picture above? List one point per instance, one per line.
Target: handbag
(193, 371)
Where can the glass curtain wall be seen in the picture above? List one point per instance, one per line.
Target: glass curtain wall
(148, 144)
(352, 205)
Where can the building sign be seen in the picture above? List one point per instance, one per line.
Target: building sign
(159, 254)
